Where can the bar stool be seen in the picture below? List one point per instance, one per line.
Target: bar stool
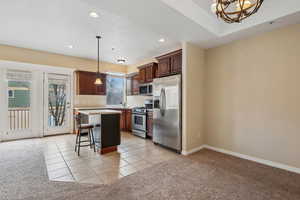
(86, 131)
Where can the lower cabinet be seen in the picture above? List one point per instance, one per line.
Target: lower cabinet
(125, 120)
(128, 120)
(149, 124)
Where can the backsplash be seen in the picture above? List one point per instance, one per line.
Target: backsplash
(89, 100)
(136, 101)
(97, 100)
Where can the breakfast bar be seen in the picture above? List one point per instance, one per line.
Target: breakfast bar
(106, 130)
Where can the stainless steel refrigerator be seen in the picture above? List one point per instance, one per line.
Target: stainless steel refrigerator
(167, 112)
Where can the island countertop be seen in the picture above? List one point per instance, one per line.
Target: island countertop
(107, 107)
(99, 112)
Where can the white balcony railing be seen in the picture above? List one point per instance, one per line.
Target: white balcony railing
(18, 118)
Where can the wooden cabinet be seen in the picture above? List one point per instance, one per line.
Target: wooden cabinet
(147, 72)
(128, 120)
(135, 85)
(149, 124)
(176, 63)
(132, 84)
(142, 75)
(125, 119)
(164, 67)
(85, 83)
(170, 64)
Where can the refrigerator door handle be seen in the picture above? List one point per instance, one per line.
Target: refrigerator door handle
(162, 102)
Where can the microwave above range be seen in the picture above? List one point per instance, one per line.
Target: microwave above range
(145, 89)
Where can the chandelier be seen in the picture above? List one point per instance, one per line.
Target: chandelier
(234, 11)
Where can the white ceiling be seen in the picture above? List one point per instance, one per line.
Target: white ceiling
(132, 27)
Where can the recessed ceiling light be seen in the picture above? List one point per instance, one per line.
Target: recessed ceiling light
(94, 14)
(69, 46)
(162, 40)
(121, 61)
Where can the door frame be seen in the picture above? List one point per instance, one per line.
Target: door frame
(38, 109)
(57, 130)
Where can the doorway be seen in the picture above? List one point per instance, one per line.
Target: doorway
(57, 113)
(35, 100)
(18, 104)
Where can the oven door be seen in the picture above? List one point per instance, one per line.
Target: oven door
(139, 122)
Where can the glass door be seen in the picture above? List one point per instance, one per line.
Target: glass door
(18, 105)
(57, 104)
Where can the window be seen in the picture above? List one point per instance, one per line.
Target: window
(11, 94)
(114, 90)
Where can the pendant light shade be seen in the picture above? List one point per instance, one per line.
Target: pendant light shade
(98, 80)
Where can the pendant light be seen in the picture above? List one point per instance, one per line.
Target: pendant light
(98, 79)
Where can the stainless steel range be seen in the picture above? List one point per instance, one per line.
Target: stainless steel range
(139, 121)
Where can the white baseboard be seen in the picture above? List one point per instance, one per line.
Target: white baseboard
(258, 160)
(193, 150)
(243, 156)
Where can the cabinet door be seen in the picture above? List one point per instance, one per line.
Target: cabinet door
(86, 84)
(164, 67)
(135, 85)
(101, 89)
(123, 120)
(149, 74)
(128, 120)
(149, 124)
(129, 86)
(142, 75)
(176, 63)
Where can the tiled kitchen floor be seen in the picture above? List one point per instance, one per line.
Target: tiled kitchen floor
(133, 154)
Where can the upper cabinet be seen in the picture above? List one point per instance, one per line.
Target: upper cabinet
(135, 84)
(142, 75)
(85, 83)
(147, 72)
(170, 64)
(132, 84)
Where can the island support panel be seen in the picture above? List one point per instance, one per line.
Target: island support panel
(108, 136)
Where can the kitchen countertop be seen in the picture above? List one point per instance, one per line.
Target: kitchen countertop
(99, 112)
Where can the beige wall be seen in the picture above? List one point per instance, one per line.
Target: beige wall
(252, 96)
(45, 58)
(192, 115)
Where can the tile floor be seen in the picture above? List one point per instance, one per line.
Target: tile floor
(134, 154)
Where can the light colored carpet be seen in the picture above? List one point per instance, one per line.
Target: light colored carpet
(23, 174)
(205, 175)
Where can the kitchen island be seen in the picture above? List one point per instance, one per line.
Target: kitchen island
(107, 134)
(125, 119)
